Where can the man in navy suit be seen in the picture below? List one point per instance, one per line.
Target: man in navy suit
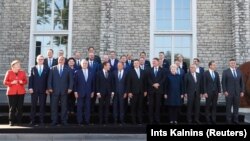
(113, 61)
(233, 88)
(147, 63)
(38, 89)
(165, 63)
(104, 89)
(180, 71)
(156, 79)
(61, 53)
(120, 80)
(84, 91)
(96, 57)
(212, 88)
(129, 61)
(78, 60)
(136, 91)
(123, 59)
(60, 84)
(92, 64)
(50, 61)
(199, 70)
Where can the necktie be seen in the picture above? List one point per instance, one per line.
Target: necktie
(91, 64)
(40, 71)
(213, 76)
(106, 74)
(50, 63)
(235, 74)
(178, 71)
(85, 75)
(120, 75)
(61, 70)
(195, 80)
(138, 73)
(78, 63)
(155, 72)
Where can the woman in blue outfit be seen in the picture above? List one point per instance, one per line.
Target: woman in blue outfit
(174, 94)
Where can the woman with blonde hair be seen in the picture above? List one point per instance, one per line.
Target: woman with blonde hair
(15, 81)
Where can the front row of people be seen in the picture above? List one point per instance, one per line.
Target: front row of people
(121, 86)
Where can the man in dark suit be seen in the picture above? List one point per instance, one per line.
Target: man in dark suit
(78, 60)
(92, 64)
(120, 85)
(180, 71)
(104, 89)
(142, 64)
(96, 57)
(129, 62)
(61, 53)
(192, 91)
(38, 88)
(233, 88)
(183, 65)
(113, 61)
(137, 90)
(156, 79)
(147, 63)
(212, 88)
(50, 61)
(199, 70)
(60, 84)
(165, 63)
(84, 91)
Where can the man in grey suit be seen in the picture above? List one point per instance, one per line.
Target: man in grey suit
(60, 83)
(233, 88)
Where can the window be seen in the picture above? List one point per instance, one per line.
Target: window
(173, 28)
(51, 22)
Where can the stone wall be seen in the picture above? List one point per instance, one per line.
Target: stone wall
(214, 32)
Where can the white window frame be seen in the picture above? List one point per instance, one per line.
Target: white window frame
(34, 33)
(193, 32)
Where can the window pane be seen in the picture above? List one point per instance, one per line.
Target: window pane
(180, 4)
(182, 45)
(163, 44)
(182, 14)
(61, 16)
(43, 43)
(163, 15)
(44, 17)
(183, 25)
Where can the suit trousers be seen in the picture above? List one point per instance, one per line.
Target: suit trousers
(104, 103)
(136, 107)
(56, 99)
(193, 104)
(15, 105)
(232, 100)
(211, 102)
(35, 97)
(154, 106)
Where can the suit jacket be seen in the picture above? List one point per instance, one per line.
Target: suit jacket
(202, 70)
(83, 87)
(190, 86)
(95, 68)
(96, 59)
(104, 85)
(45, 63)
(130, 66)
(211, 85)
(135, 84)
(234, 86)
(113, 67)
(36, 82)
(13, 89)
(165, 64)
(120, 86)
(147, 64)
(159, 78)
(185, 67)
(76, 66)
(60, 84)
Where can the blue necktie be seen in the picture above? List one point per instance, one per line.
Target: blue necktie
(40, 71)
(235, 75)
(120, 76)
(156, 72)
(213, 76)
(61, 70)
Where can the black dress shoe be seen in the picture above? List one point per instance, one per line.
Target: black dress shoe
(11, 123)
(197, 122)
(32, 123)
(65, 124)
(53, 124)
(41, 124)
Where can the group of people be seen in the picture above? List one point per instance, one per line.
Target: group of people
(118, 82)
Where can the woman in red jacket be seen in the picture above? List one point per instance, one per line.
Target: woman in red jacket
(15, 80)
